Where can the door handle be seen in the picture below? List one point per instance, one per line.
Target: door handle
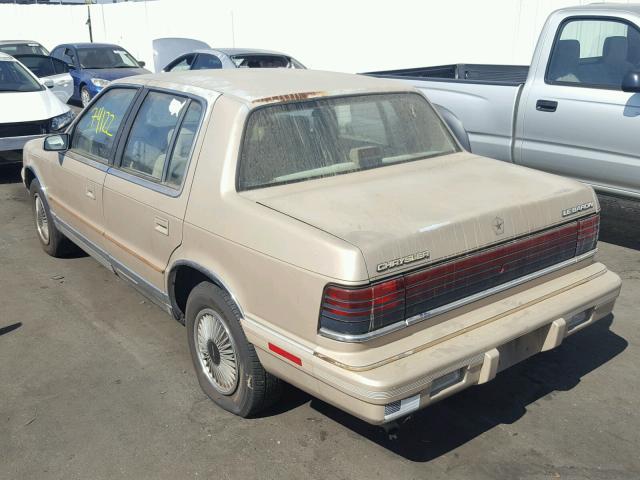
(91, 191)
(546, 106)
(161, 225)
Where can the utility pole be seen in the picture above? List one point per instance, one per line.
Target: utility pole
(88, 2)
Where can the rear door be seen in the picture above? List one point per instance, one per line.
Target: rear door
(148, 184)
(49, 68)
(576, 120)
(77, 176)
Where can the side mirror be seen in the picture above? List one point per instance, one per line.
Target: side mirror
(57, 143)
(48, 83)
(631, 82)
(141, 63)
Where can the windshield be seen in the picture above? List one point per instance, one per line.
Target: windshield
(325, 137)
(15, 78)
(14, 49)
(106, 57)
(265, 61)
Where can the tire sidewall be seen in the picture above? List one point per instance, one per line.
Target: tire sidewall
(208, 296)
(51, 246)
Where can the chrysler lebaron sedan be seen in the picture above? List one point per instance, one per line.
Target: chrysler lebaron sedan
(322, 229)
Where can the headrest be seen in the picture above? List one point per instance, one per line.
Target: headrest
(568, 51)
(615, 48)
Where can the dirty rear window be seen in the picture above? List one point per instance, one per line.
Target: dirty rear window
(300, 141)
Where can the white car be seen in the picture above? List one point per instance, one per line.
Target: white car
(52, 72)
(28, 108)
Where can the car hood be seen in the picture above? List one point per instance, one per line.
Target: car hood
(18, 107)
(445, 206)
(114, 73)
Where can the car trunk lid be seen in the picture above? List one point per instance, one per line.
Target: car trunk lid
(408, 215)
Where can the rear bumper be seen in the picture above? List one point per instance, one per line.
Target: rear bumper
(391, 387)
(16, 143)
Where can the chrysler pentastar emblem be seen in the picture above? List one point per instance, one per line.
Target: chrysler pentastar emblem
(498, 226)
(414, 257)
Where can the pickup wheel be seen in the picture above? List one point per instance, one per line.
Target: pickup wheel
(52, 240)
(226, 364)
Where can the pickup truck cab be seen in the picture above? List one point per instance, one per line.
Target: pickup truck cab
(323, 229)
(575, 111)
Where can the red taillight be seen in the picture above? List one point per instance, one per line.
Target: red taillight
(359, 310)
(355, 311)
(588, 230)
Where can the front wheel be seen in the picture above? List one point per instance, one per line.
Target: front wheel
(52, 240)
(226, 364)
(85, 96)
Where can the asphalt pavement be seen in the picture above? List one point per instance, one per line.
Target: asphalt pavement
(97, 383)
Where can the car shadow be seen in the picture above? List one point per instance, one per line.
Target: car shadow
(447, 425)
(9, 172)
(618, 221)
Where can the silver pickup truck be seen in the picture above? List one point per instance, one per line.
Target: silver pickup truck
(575, 111)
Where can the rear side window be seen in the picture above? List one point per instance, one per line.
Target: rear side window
(300, 141)
(95, 133)
(161, 138)
(181, 65)
(206, 62)
(594, 53)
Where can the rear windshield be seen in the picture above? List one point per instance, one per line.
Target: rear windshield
(14, 49)
(294, 142)
(265, 61)
(15, 78)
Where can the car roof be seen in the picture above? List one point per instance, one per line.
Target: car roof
(18, 42)
(595, 7)
(259, 86)
(88, 45)
(246, 51)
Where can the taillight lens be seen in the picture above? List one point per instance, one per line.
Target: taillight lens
(360, 310)
(588, 230)
(355, 311)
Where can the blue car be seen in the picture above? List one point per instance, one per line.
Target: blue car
(95, 65)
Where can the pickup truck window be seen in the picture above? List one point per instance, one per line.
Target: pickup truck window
(594, 53)
(300, 141)
(95, 133)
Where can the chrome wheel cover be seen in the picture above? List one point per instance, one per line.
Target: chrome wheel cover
(216, 351)
(42, 221)
(85, 97)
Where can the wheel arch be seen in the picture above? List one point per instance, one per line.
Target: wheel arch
(455, 125)
(29, 176)
(183, 276)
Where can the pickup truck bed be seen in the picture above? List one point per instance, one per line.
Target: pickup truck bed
(471, 72)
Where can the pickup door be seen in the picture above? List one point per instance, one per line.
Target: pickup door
(574, 119)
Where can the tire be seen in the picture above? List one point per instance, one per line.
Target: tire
(52, 240)
(251, 389)
(85, 96)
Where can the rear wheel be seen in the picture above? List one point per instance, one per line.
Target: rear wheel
(52, 240)
(85, 96)
(226, 364)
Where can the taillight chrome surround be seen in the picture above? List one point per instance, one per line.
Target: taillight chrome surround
(358, 314)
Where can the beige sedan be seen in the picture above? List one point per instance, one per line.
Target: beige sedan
(323, 229)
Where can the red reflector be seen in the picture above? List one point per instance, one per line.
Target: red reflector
(289, 356)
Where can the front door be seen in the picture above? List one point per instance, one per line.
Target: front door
(144, 198)
(75, 192)
(576, 120)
